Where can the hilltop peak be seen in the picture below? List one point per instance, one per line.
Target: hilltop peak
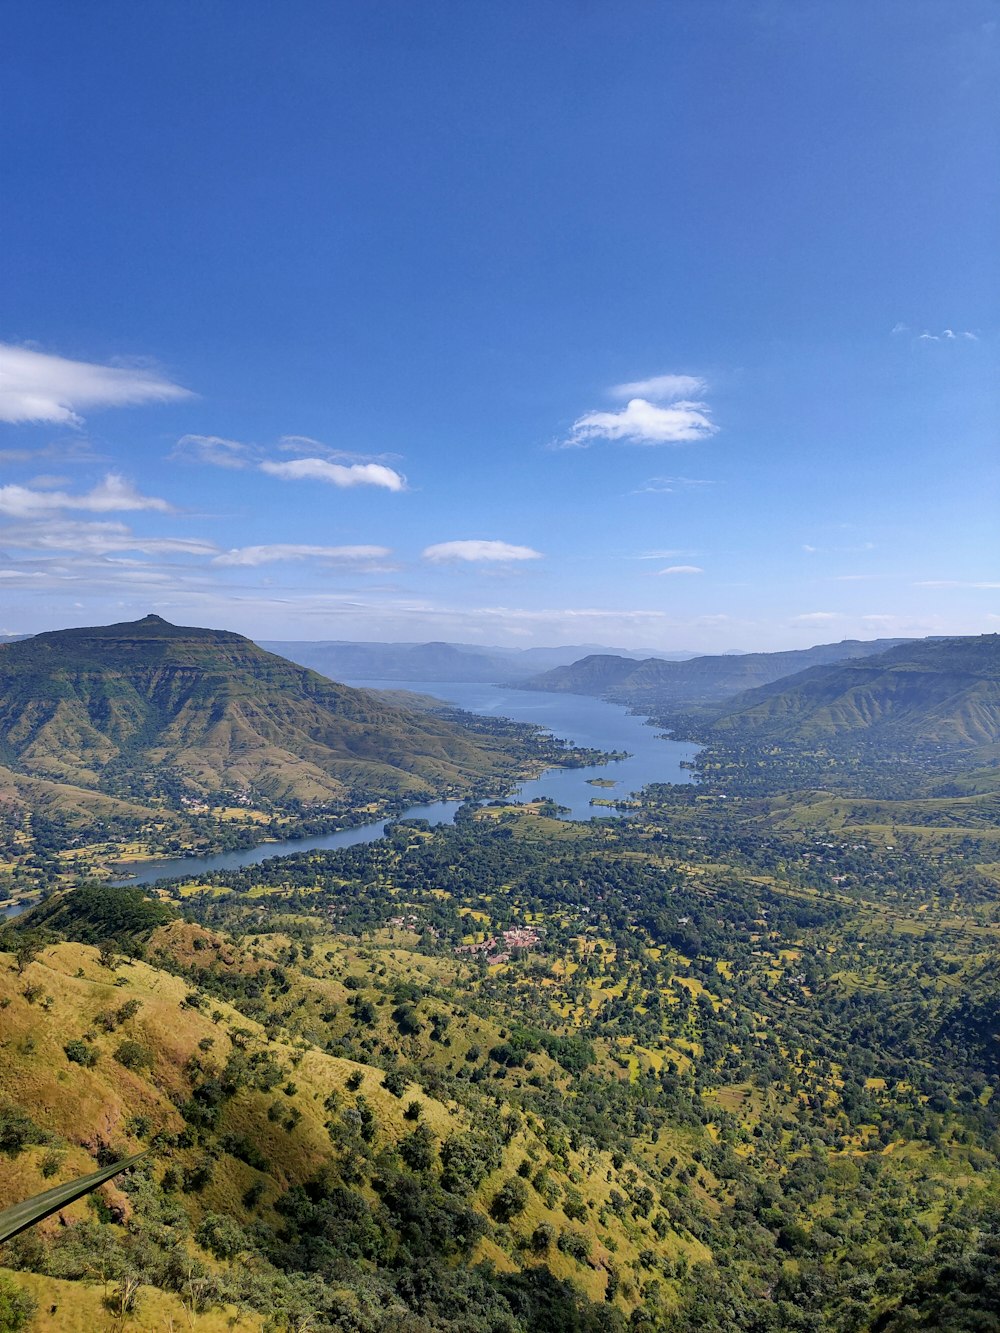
(217, 713)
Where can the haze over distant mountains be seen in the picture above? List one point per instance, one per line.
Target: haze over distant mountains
(454, 662)
(903, 692)
(655, 683)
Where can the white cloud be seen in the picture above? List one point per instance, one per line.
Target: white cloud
(264, 555)
(666, 409)
(681, 569)
(662, 387)
(643, 422)
(113, 494)
(946, 335)
(213, 449)
(663, 555)
(35, 386)
(443, 552)
(336, 474)
(336, 467)
(817, 617)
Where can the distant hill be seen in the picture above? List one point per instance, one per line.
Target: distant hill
(931, 691)
(396, 661)
(653, 683)
(445, 662)
(139, 706)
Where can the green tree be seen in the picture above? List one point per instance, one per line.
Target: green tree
(17, 1306)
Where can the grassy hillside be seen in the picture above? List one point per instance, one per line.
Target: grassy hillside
(703, 1069)
(258, 1132)
(942, 692)
(151, 703)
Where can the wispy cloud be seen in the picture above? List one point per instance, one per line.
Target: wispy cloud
(956, 583)
(96, 538)
(660, 410)
(661, 387)
(837, 550)
(214, 450)
(945, 335)
(335, 467)
(73, 449)
(113, 494)
(668, 485)
(305, 444)
(336, 474)
(646, 423)
(489, 551)
(817, 617)
(251, 556)
(39, 387)
(681, 569)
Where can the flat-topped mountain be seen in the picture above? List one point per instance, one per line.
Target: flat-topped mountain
(931, 691)
(216, 712)
(655, 683)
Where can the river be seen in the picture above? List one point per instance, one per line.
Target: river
(576, 718)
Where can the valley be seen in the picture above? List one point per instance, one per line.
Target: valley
(735, 1052)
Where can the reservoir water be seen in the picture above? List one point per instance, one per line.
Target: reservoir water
(572, 717)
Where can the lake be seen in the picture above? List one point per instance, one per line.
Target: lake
(573, 717)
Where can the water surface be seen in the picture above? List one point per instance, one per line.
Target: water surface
(572, 717)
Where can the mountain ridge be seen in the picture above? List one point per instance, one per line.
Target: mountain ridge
(656, 683)
(432, 661)
(942, 691)
(216, 711)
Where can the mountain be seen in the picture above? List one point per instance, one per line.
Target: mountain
(655, 683)
(932, 691)
(442, 662)
(396, 661)
(136, 707)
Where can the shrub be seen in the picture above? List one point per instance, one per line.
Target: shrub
(220, 1234)
(466, 1159)
(396, 1082)
(17, 1131)
(50, 1164)
(417, 1149)
(17, 1306)
(543, 1237)
(80, 1053)
(133, 1055)
(510, 1199)
(575, 1245)
(253, 1195)
(407, 1020)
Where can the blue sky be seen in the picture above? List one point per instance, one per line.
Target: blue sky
(654, 325)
